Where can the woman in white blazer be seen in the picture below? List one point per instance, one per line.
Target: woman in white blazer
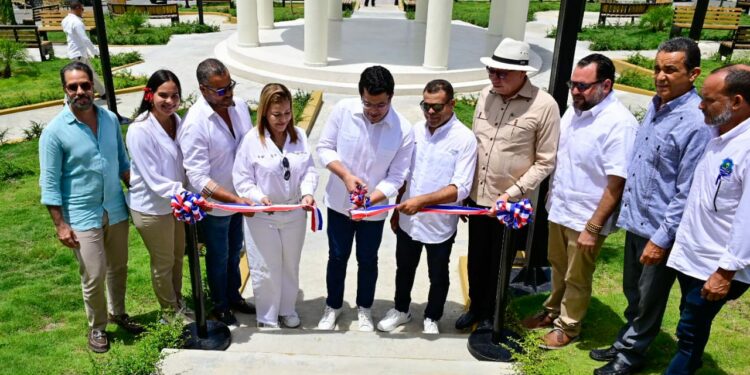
(156, 174)
(274, 166)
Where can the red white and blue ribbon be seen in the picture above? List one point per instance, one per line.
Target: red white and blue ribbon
(515, 215)
(359, 197)
(188, 207)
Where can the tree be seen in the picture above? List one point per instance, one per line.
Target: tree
(12, 53)
(7, 17)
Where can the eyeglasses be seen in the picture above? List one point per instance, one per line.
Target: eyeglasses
(285, 164)
(377, 106)
(85, 86)
(581, 86)
(436, 107)
(224, 90)
(499, 73)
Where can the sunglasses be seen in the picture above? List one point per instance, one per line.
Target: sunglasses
(224, 90)
(580, 85)
(285, 164)
(499, 73)
(85, 86)
(436, 107)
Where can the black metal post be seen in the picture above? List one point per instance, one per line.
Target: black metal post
(201, 334)
(200, 12)
(101, 35)
(533, 277)
(565, 47)
(698, 17)
(499, 344)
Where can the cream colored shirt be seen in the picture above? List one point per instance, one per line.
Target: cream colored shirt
(517, 143)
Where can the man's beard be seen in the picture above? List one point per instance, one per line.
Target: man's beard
(75, 103)
(720, 119)
(599, 95)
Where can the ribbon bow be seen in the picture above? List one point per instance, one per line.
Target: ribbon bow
(359, 197)
(188, 207)
(515, 215)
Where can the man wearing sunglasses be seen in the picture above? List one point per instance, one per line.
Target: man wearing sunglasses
(516, 125)
(668, 145)
(82, 160)
(445, 153)
(596, 140)
(80, 47)
(366, 145)
(211, 133)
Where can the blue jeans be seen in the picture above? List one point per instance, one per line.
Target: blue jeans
(341, 233)
(223, 236)
(408, 252)
(696, 316)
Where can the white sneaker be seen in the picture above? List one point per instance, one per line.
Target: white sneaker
(430, 327)
(328, 320)
(290, 321)
(393, 318)
(263, 325)
(364, 317)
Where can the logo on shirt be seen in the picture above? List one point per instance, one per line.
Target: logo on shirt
(725, 169)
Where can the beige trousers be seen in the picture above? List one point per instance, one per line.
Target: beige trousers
(572, 276)
(164, 237)
(103, 257)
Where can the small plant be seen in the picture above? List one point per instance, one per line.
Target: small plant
(35, 131)
(12, 54)
(299, 102)
(657, 18)
(7, 16)
(640, 60)
(638, 112)
(634, 79)
(10, 171)
(3, 134)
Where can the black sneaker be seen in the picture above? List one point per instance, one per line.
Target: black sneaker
(243, 307)
(127, 324)
(98, 341)
(225, 317)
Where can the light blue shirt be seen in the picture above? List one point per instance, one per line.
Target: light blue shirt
(668, 145)
(80, 171)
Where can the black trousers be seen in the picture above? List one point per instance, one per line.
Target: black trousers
(485, 243)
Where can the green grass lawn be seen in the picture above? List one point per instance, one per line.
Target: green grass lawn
(646, 81)
(477, 12)
(280, 14)
(40, 81)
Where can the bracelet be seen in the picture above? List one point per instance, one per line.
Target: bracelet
(208, 190)
(593, 228)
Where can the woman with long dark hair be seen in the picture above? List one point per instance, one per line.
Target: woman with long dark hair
(156, 175)
(274, 166)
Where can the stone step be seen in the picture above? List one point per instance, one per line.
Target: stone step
(188, 362)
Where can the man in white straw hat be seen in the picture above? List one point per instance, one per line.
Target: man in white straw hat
(517, 127)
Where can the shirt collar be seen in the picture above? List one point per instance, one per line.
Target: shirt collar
(71, 119)
(674, 103)
(741, 128)
(443, 128)
(358, 110)
(526, 91)
(597, 109)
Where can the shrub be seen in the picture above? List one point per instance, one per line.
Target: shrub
(35, 131)
(658, 18)
(634, 79)
(10, 171)
(640, 60)
(299, 102)
(12, 54)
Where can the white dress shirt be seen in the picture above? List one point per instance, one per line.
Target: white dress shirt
(156, 172)
(79, 44)
(714, 231)
(447, 157)
(258, 170)
(209, 148)
(593, 144)
(378, 153)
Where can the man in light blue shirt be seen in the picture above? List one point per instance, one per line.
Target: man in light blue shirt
(82, 158)
(669, 144)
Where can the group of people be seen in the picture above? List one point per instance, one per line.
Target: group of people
(671, 171)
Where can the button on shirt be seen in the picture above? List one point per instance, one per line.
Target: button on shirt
(208, 147)
(517, 142)
(379, 153)
(714, 231)
(259, 172)
(156, 166)
(668, 145)
(79, 44)
(444, 158)
(80, 171)
(594, 144)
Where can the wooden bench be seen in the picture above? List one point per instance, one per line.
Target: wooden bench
(717, 18)
(741, 40)
(36, 11)
(51, 21)
(29, 36)
(611, 8)
(154, 11)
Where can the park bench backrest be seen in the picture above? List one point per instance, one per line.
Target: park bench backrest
(610, 8)
(717, 18)
(152, 10)
(54, 18)
(26, 34)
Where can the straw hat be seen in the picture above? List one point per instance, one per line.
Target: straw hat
(510, 54)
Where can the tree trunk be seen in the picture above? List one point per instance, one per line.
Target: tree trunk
(6, 71)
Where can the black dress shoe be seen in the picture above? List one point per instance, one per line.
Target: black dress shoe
(604, 355)
(225, 317)
(616, 367)
(466, 320)
(485, 325)
(243, 307)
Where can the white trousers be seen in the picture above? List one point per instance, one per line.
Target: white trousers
(274, 262)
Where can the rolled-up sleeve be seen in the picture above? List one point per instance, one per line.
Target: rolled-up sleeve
(50, 169)
(327, 143)
(691, 153)
(243, 173)
(310, 179)
(463, 175)
(737, 256)
(194, 146)
(399, 168)
(144, 154)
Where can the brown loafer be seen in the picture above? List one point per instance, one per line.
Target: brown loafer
(98, 341)
(538, 321)
(556, 339)
(127, 324)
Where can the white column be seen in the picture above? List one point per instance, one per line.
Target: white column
(498, 10)
(420, 14)
(316, 33)
(514, 25)
(334, 10)
(247, 23)
(265, 14)
(438, 35)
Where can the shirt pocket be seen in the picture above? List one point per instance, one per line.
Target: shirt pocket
(726, 195)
